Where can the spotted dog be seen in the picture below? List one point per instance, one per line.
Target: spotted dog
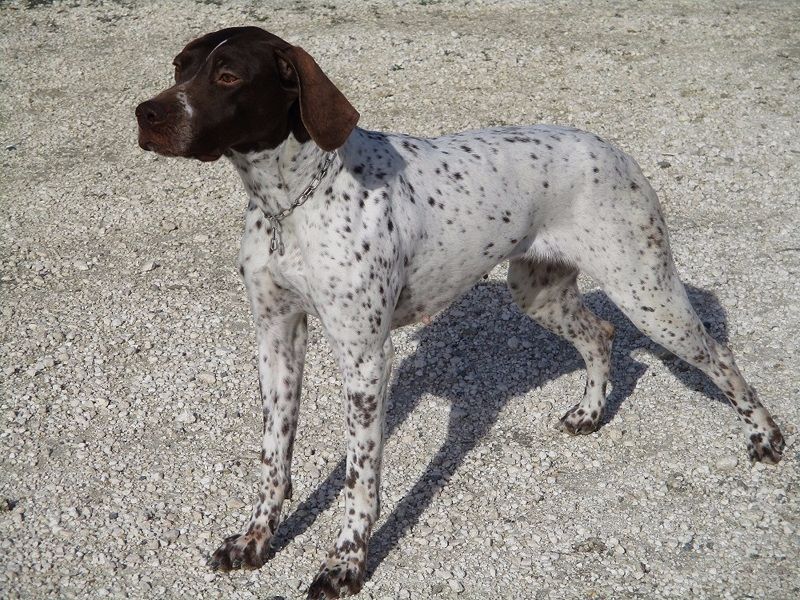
(370, 231)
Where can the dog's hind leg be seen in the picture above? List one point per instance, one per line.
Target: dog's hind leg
(654, 299)
(548, 292)
(629, 255)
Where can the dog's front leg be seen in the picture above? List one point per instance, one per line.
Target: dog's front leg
(281, 351)
(365, 369)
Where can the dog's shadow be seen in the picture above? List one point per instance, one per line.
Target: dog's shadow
(464, 332)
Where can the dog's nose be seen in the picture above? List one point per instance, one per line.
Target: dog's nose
(150, 113)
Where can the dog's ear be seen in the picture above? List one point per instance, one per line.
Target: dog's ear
(326, 114)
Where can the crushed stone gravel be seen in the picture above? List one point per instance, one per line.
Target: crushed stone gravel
(130, 424)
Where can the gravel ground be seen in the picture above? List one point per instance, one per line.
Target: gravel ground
(130, 421)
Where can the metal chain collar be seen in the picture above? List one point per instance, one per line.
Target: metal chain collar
(276, 243)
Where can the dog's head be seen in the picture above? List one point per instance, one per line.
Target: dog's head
(246, 89)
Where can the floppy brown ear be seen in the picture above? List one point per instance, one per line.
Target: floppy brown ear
(326, 114)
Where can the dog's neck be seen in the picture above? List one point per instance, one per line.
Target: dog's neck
(275, 178)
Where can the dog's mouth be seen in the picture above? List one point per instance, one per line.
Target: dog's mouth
(207, 157)
(147, 143)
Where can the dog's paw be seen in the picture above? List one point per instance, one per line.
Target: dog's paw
(579, 421)
(245, 551)
(767, 446)
(336, 579)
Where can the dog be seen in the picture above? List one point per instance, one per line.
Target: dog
(370, 231)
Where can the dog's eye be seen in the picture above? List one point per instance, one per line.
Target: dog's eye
(228, 78)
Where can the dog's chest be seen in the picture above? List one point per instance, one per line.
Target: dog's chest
(264, 270)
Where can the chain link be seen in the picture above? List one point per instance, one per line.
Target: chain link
(276, 243)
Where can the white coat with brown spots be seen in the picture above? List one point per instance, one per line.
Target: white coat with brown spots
(398, 228)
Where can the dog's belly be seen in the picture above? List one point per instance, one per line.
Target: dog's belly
(423, 297)
(433, 281)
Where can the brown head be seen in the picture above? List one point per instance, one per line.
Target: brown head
(244, 89)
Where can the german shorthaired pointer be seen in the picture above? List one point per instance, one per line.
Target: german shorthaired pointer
(370, 231)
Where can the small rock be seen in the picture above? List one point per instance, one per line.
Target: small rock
(675, 482)
(186, 417)
(149, 266)
(81, 265)
(456, 586)
(590, 545)
(727, 463)
(172, 535)
(686, 540)
(664, 164)
(206, 377)
(513, 343)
